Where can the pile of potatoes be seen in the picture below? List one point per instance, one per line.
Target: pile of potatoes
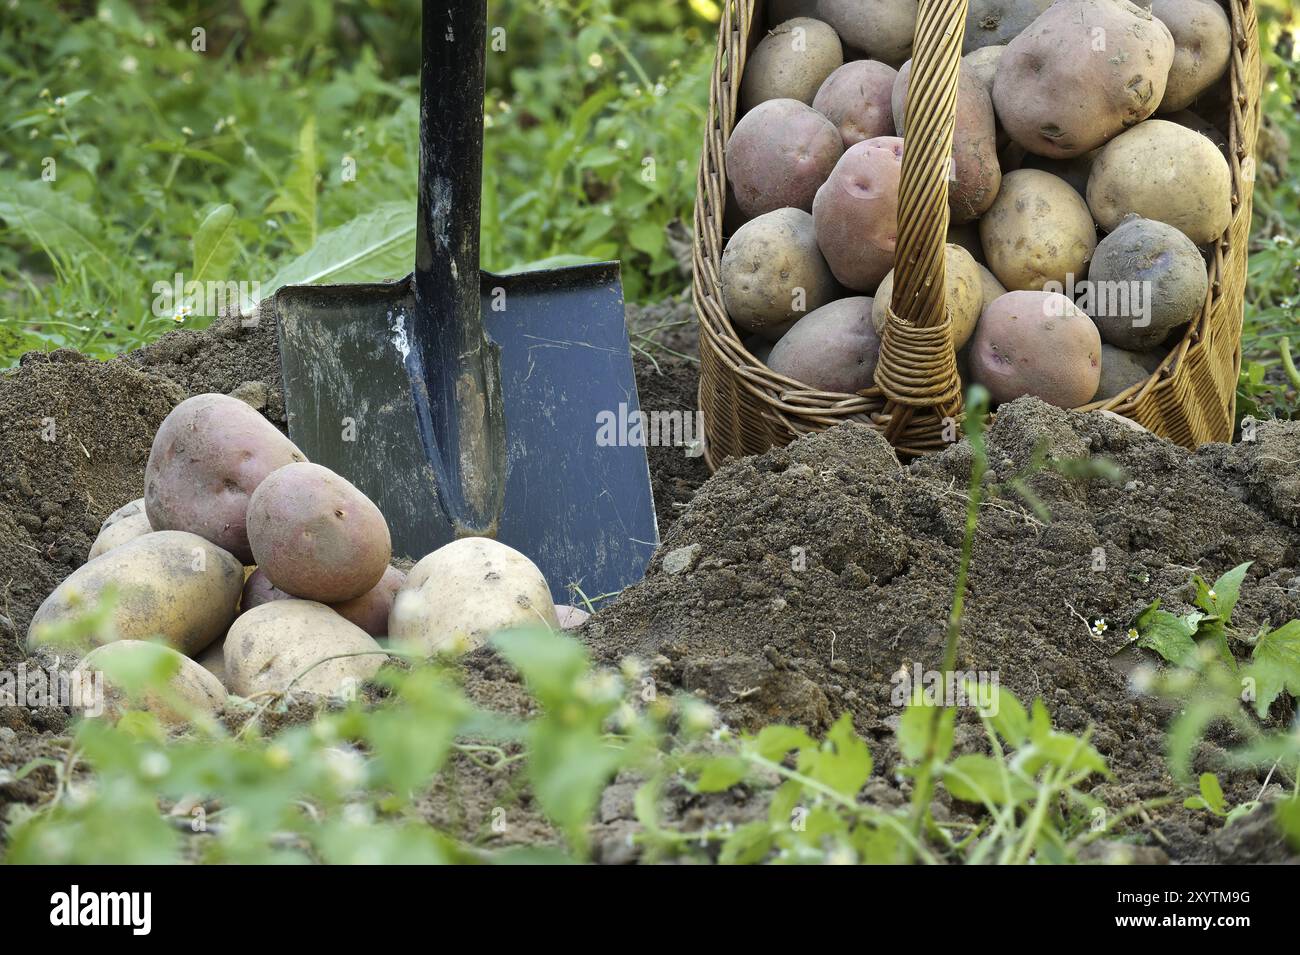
(258, 572)
(1085, 196)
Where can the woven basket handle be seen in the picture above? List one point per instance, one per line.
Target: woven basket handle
(917, 368)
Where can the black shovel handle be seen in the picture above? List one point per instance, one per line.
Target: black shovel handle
(451, 162)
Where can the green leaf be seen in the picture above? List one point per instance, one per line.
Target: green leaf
(842, 762)
(1008, 717)
(1169, 635)
(550, 663)
(214, 245)
(1212, 793)
(773, 742)
(376, 246)
(568, 769)
(297, 195)
(1276, 666)
(914, 729)
(647, 237)
(719, 773)
(982, 779)
(1226, 591)
(55, 222)
(747, 845)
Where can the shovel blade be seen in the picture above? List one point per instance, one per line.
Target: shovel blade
(577, 503)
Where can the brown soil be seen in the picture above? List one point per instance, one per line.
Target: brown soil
(790, 586)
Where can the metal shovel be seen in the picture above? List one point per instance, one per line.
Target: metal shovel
(466, 403)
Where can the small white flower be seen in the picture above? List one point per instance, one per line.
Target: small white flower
(1099, 627)
(60, 101)
(595, 61)
(187, 131)
(660, 89)
(1213, 595)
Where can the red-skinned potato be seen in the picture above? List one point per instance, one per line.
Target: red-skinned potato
(977, 176)
(316, 536)
(856, 98)
(259, 590)
(832, 349)
(1081, 73)
(370, 611)
(778, 155)
(207, 459)
(855, 213)
(1037, 343)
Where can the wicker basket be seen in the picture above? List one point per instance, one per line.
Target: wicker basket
(747, 408)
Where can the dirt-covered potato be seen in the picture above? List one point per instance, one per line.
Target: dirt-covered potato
(290, 642)
(856, 98)
(168, 584)
(465, 591)
(990, 288)
(190, 690)
(1147, 279)
(882, 29)
(983, 64)
(259, 590)
(965, 295)
(1038, 230)
(208, 458)
(779, 154)
(773, 274)
(126, 523)
(996, 22)
(855, 213)
(977, 176)
(1121, 369)
(791, 62)
(1160, 170)
(316, 536)
(370, 611)
(833, 349)
(1185, 117)
(1037, 343)
(1202, 48)
(1060, 92)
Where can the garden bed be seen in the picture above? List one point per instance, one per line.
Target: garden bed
(790, 586)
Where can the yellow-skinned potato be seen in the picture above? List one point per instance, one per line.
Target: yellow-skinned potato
(791, 62)
(1039, 230)
(882, 29)
(1202, 47)
(126, 523)
(191, 688)
(465, 591)
(990, 287)
(169, 584)
(274, 644)
(1163, 171)
(965, 295)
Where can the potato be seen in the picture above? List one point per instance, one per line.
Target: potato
(882, 29)
(977, 174)
(791, 62)
(1037, 343)
(1202, 47)
(1039, 230)
(1120, 369)
(316, 536)
(1166, 172)
(773, 274)
(465, 591)
(571, 618)
(965, 295)
(370, 611)
(126, 523)
(833, 349)
(191, 689)
(1185, 117)
(213, 659)
(259, 590)
(169, 584)
(856, 98)
(983, 64)
(208, 457)
(778, 155)
(1147, 279)
(855, 213)
(990, 23)
(1081, 73)
(281, 645)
